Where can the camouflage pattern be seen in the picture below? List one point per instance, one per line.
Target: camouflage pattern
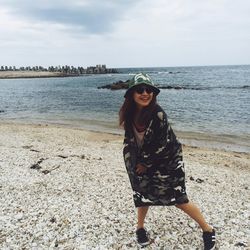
(139, 79)
(161, 152)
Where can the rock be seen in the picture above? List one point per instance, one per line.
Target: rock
(124, 85)
(34, 150)
(56, 243)
(198, 180)
(8, 240)
(116, 85)
(27, 147)
(171, 87)
(53, 220)
(19, 216)
(62, 156)
(192, 224)
(35, 166)
(46, 171)
(241, 244)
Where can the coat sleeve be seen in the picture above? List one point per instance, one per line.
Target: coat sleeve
(158, 147)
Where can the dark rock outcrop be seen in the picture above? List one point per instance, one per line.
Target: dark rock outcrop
(124, 85)
(116, 85)
(171, 87)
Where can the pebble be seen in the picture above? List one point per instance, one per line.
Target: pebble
(241, 244)
(192, 224)
(19, 216)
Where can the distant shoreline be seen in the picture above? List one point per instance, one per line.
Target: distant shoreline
(30, 74)
(35, 74)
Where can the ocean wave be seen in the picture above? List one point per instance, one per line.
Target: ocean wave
(201, 88)
(169, 72)
(239, 87)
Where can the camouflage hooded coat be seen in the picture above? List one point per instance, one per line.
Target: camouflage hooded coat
(161, 152)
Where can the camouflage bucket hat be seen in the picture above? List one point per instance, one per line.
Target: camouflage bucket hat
(138, 79)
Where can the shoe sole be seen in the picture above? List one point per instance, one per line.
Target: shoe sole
(213, 248)
(142, 245)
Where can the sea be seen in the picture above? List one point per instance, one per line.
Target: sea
(210, 106)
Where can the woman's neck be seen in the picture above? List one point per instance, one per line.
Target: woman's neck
(139, 108)
(137, 115)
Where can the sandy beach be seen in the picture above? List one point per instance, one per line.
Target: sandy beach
(65, 188)
(29, 74)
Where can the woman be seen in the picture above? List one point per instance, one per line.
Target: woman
(153, 158)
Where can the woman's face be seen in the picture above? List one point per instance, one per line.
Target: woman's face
(143, 95)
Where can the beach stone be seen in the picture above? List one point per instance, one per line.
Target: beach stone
(19, 216)
(35, 166)
(198, 180)
(241, 244)
(192, 224)
(8, 240)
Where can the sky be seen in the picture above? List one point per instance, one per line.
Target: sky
(124, 33)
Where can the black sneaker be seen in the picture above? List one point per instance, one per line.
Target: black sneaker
(209, 240)
(142, 237)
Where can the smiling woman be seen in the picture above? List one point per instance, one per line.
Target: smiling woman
(153, 158)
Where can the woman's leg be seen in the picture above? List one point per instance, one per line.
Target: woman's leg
(141, 213)
(194, 212)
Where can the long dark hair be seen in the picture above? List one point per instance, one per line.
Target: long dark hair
(127, 112)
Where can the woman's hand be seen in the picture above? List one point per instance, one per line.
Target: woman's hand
(140, 169)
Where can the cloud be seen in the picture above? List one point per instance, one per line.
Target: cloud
(124, 32)
(91, 16)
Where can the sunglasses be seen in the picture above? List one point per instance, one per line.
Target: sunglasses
(141, 89)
